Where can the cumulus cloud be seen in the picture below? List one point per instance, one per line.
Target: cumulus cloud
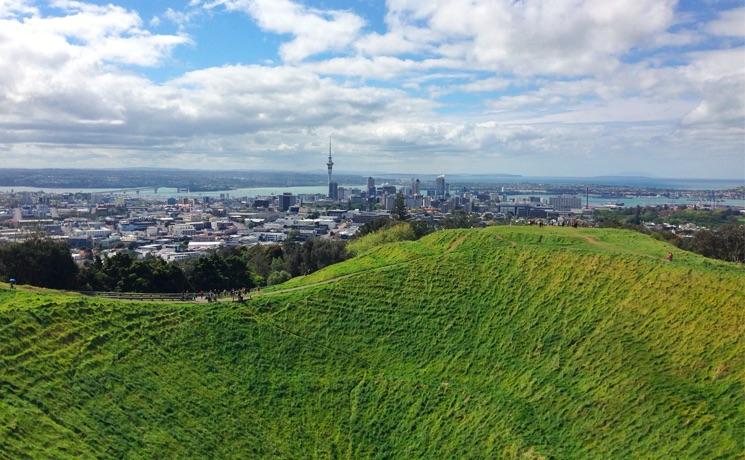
(731, 23)
(723, 105)
(314, 31)
(72, 90)
(13, 8)
(568, 37)
(540, 87)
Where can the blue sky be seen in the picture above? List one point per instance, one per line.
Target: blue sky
(559, 87)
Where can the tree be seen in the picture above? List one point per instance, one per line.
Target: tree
(153, 274)
(278, 277)
(311, 255)
(399, 208)
(726, 243)
(40, 262)
(116, 268)
(219, 271)
(460, 219)
(421, 228)
(374, 225)
(259, 258)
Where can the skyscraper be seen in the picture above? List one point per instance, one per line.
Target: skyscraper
(440, 187)
(415, 186)
(285, 201)
(370, 187)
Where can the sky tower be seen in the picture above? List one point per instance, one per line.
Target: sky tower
(333, 186)
(330, 163)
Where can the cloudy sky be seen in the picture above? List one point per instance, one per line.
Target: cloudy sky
(533, 87)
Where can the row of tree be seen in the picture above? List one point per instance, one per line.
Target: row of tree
(40, 262)
(421, 227)
(43, 262)
(726, 241)
(710, 218)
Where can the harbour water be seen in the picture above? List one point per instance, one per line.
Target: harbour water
(629, 201)
(167, 192)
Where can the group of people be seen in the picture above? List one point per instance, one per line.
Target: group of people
(559, 223)
(236, 295)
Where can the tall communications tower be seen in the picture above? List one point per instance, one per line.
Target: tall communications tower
(330, 163)
(333, 186)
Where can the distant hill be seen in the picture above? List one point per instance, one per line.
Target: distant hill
(504, 342)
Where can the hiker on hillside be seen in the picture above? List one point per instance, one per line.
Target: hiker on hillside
(669, 257)
(12, 283)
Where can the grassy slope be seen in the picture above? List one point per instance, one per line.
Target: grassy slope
(401, 231)
(512, 342)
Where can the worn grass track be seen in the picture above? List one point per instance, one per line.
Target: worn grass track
(506, 342)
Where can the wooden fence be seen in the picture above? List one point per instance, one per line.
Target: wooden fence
(187, 297)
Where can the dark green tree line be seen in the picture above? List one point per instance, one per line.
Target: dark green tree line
(43, 262)
(40, 262)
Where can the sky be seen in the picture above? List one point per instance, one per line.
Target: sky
(531, 87)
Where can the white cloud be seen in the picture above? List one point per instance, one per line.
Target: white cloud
(375, 44)
(382, 67)
(13, 8)
(86, 34)
(180, 18)
(569, 37)
(715, 64)
(731, 23)
(409, 98)
(486, 84)
(62, 86)
(723, 105)
(314, 31)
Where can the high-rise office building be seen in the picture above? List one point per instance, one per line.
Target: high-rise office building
(415, 186)
(333, 190)
(370, 187)
(440, 187)
(388, 189)
(565, 203)
(285, 201)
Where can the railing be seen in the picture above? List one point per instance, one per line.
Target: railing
(187, 297)
(184, 297)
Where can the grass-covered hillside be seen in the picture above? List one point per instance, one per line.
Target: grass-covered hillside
(506, 342)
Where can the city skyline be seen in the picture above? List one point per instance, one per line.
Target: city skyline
(562, 88)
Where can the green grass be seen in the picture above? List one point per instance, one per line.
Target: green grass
(504, 342)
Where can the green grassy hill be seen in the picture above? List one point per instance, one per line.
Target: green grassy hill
(505, 342)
